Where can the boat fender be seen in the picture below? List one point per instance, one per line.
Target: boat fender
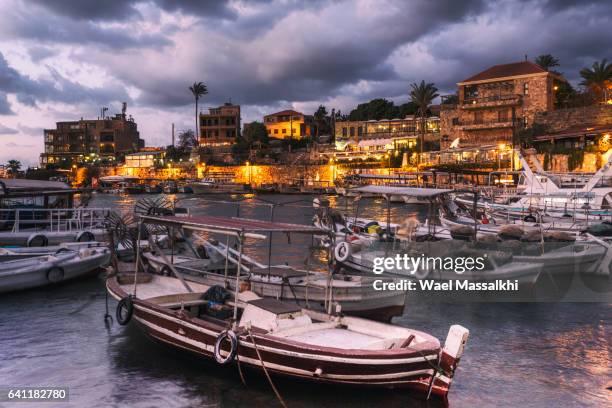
(233, 339)
(530, 218)
(127, 305)
(318, 372)
(85, 236)
(37, 240)
(342, 252)
(55, 275)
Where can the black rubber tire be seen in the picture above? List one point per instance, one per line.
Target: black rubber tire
(125, 303)
(530, 218)
(55, 275)
(38, 241)
(227, 334)
(86, 236)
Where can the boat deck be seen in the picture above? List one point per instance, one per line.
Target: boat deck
(162, 286)
(340, 338)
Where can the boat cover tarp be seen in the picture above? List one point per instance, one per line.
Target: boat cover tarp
(402, 191)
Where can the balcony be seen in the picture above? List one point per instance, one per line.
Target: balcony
(483, 125)
(492, 101)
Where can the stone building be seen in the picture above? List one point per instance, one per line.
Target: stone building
(220, 127)
(289, 124)
(90, 140)
(383, 135)
(492, 104)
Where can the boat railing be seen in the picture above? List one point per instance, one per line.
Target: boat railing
(58, 219)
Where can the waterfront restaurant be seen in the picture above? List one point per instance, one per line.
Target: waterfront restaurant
(379, 137)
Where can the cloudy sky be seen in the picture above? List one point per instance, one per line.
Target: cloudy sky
(65, 59)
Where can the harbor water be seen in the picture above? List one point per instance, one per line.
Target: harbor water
(518, 354)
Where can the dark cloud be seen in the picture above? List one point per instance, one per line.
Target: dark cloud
(57, 89)
(5, 107)
(91, 9)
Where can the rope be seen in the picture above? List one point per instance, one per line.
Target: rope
(239, 366)
(280, 399)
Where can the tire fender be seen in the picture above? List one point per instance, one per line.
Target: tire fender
(55, 274)
(85, 236)
(126, 303)
(37, 240)
(233, 339)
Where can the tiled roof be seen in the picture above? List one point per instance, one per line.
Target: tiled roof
(286, 112)
(507, 70)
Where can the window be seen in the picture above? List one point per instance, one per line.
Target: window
(360, 130)
(284, 130)
(344, 132)
(478, 118)
(502, 115)
(455, 121)
(276, 131)
(526, 88)
(352, 132)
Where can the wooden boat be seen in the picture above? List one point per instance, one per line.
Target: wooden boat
(285, 340)
(45, 270)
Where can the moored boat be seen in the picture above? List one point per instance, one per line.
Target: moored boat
(284, 339)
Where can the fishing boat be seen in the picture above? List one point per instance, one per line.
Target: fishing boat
(63, 265)
(216, 264)
(281, 338)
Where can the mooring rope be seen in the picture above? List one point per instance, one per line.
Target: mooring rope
(280, 399)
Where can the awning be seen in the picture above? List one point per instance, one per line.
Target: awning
(230, 225)
(402, 191)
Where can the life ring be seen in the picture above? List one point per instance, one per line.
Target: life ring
(530, 218)
(342, 252)
(37, 240)
(127, 305)
(85, 236)
(55, 274)
(233, 339)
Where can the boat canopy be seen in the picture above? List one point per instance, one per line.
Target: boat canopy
(403, 191)
(230, 225)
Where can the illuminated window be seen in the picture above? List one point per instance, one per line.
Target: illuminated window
(526, 88)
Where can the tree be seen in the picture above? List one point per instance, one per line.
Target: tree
(198, 89)
(14, 166)
(322, 121)
(422, 95)
(547, 61)
(187, 140)
(254, 132)
(598, 78)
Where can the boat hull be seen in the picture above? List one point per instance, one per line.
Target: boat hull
(404, 368)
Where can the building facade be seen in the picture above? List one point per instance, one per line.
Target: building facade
(220, 127)
(146, 159)
(379, 136)
(491, 105)
(289, 124)
(89, 141)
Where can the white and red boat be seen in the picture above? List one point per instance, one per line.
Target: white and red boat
(282, 338)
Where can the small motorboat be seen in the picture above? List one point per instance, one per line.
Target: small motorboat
(284, 339)
(51, 269)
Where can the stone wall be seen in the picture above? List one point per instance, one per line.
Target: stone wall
(563, 119)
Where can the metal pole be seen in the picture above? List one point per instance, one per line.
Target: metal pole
(237, 288)
(272, 207)
(137, 257)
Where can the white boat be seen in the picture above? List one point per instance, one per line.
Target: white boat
(355, 294)
(217, 185)
(51, 269)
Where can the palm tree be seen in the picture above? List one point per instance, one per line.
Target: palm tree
(598, 78)
(547, 61)
(198, 89)
(14, 166)
(422, 95)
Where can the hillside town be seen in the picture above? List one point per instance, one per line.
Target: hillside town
(493, 113)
